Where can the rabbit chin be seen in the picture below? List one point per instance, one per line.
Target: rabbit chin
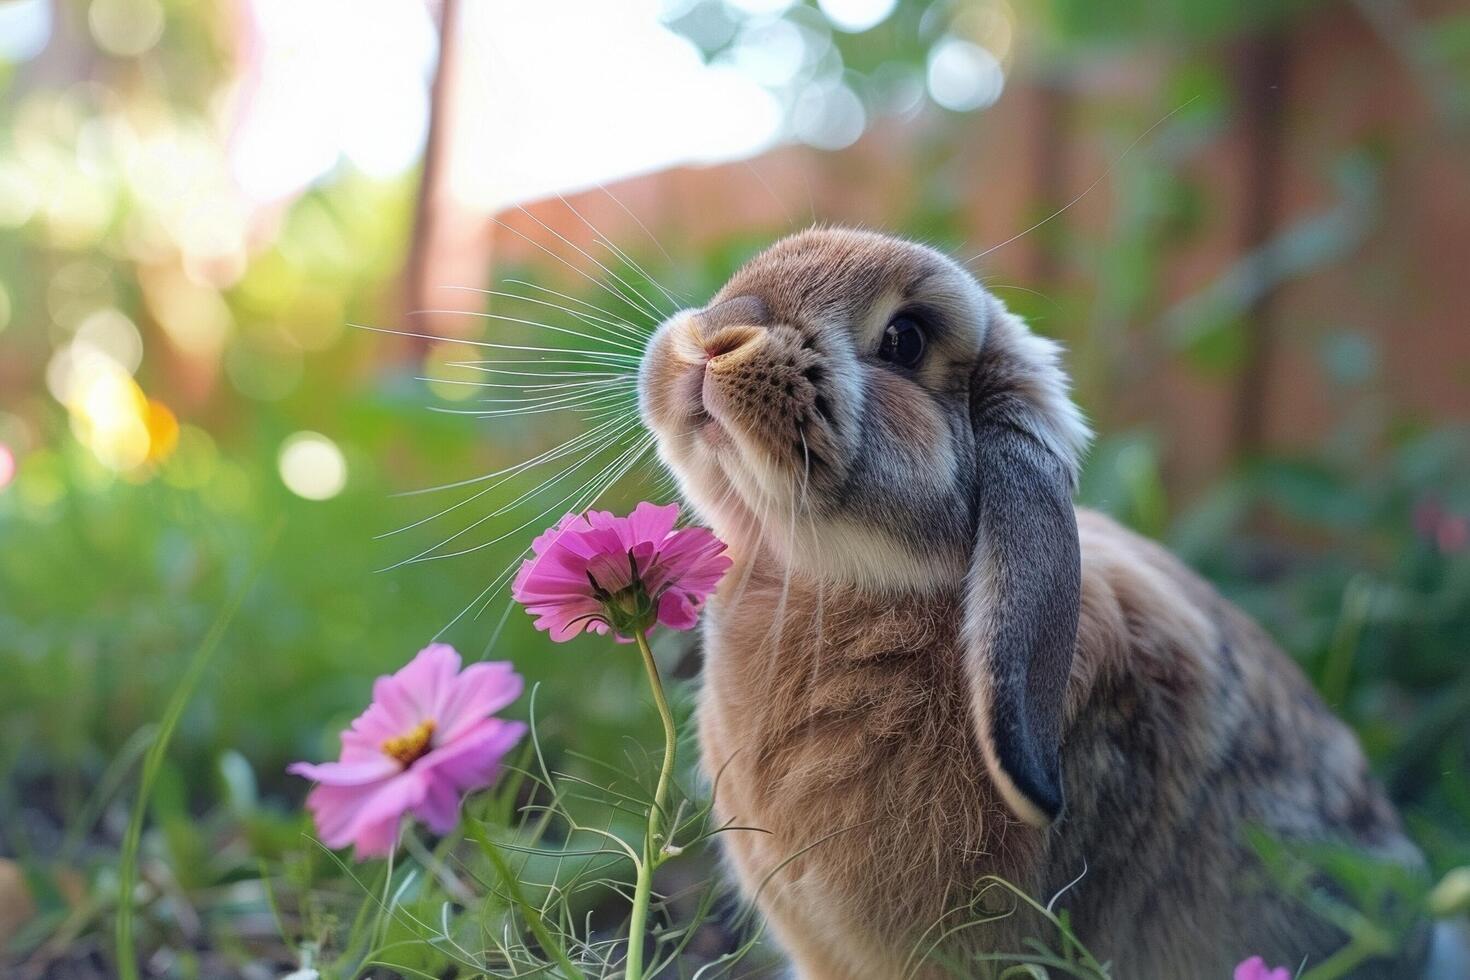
(756, 510)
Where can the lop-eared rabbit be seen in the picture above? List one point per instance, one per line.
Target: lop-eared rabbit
(927, 668)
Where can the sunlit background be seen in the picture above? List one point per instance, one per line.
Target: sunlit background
(247, 251)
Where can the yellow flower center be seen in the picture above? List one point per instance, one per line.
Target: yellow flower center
(409, 748)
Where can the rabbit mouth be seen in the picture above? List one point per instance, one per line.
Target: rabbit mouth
(762, 397)
(743, 406)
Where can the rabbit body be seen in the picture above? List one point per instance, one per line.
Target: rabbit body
(843, 731)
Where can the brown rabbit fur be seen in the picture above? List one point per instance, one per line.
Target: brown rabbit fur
(923, 650)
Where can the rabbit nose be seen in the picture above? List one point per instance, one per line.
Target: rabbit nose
(730, 325)
(729, 341)
(748, 311)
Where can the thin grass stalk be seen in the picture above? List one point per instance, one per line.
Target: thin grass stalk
(127, 867)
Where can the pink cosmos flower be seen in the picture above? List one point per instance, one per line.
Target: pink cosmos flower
(426, 739)
(1450, 532)
(606, 574)
(1255, 968)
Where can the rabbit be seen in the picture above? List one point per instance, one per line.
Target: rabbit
(928, 669)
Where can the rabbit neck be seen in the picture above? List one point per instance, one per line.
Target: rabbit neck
(837, 720)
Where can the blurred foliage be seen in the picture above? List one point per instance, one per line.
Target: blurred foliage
(160, 339)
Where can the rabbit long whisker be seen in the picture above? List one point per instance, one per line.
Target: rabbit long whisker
(611, 327)
(783, 206)
(620, 360)
(478, 367)
(557, 386)
(532, 323)
(628, 411)
(641, 329)
(816, 642)
(567, 403)
(637, 221)
(623, 256)
(591, 319)
(642, 302)
(778, 622)
(431, 555)
(1090, 187)
(754, 532)
(601, 284)
(540, 458)
(589, 437)
(585, 502)
(617, 468)
(475, 364)
(431, 552)
(556, 397)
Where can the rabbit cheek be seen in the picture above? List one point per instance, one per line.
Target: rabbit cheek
(668, 384)
(911, 465)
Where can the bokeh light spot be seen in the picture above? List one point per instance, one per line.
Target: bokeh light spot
(964, 76)
(25, 27)
(312, 466)
(759, 7)
(19, 196)
(829, 117)
(110, 332)
(109, 415)
(7, 466)
(163, 430)
(854, 16)
(771, 52)
(126, 28)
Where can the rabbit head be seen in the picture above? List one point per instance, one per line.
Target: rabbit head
(861, 409)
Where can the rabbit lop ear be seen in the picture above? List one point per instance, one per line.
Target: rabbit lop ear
(1024, 585)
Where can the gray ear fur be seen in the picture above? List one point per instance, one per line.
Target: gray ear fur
(1024, 587)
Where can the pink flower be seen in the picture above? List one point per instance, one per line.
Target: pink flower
(1453, 534)
(1255, 968)
(620, 574)
(426, 739)
(1450, 532)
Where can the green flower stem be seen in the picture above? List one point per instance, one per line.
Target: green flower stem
(652, 850)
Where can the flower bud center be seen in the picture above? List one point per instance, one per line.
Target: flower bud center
(410, 747)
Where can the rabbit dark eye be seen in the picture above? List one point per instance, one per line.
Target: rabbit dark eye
(903, 342)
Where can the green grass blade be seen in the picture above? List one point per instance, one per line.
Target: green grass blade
(532, 914)
(127, 871)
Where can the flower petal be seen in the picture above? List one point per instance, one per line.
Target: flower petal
(334, 810)
(387, 803)
(693, 559)
(376, 840)
(472, 761)
(650, 522)
(677, 610)
(366, 816)
(1255, 968)
(440, 806)
(346, 773)
(482, 689)
(411, 695)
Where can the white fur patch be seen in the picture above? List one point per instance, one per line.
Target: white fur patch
(1058, 423)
